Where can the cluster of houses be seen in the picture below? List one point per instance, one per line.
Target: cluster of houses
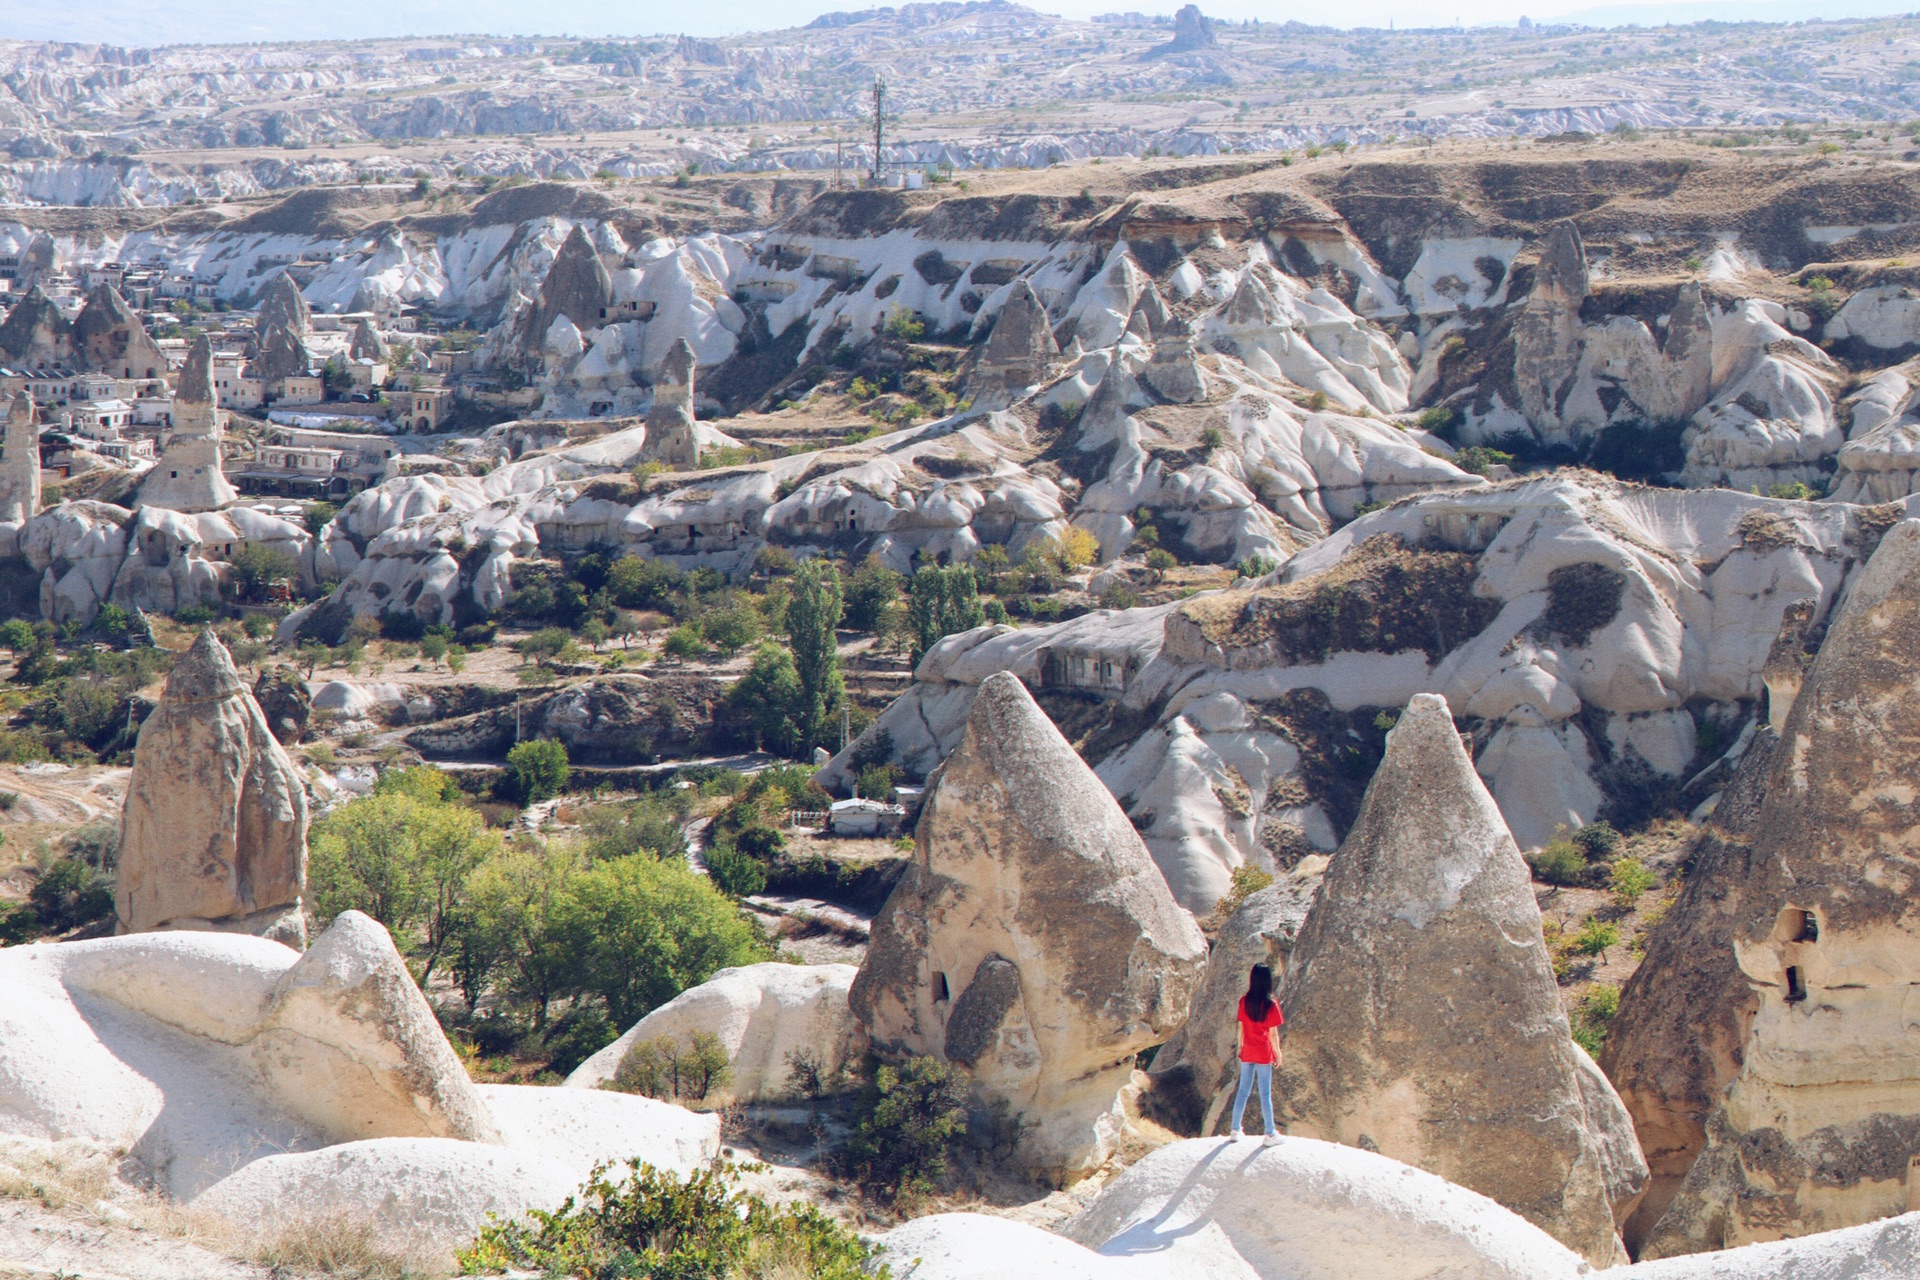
(98, 350)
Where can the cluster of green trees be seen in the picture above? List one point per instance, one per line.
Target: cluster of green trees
(84, 704)
(567, 940)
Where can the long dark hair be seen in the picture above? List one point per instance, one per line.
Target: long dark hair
(1259, 992)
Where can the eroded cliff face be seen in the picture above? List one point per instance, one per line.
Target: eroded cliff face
(1819, 1126)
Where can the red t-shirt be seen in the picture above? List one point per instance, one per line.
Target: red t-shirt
(1253, 1035)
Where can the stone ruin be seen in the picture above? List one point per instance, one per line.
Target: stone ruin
(214, 833)
(1032, 940)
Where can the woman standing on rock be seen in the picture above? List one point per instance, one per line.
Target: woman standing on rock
(1260, 1022)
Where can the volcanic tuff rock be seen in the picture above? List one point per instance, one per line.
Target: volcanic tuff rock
(280, 332)
(1423, 1019)
(214, 835)
(670, 431)
(1032, 940)
(1820, 1125)
(764, 1015)
(577, 288)
(35, 334)
(353, 1048)
(284, 701)
(19, 470)
(1196, 1070)
(367, 344)
(108, 338)
(1018, 351)
(1680, 1035)
(190, 474)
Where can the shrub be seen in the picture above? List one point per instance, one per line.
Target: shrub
(662, 1068)
(1160, 561)
(766, 697)
(903, 326)
(1247, 881)
(1598, 841)
(683, 642)
(871, 594)
(1593, 1017)
(909, 1118)
(1078, 548)
(256, 566)
(1479, 459)
(1559, 861)
(735, 872)
(1119, 595)
(1629, 879)
(1596, 937)
(537, 770)
(654, 1225)
(69, 894)
(1256, 566)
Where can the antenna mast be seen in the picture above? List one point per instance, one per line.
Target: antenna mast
(879, 124)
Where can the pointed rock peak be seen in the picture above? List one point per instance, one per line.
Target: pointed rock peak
(1061, 804)
(577, 242)
(204, 673)
(104, 299)
(1021, 332)
(1252, 305)
(1562, 277)
(20, 412)
(367, 343)
(678, 366)
(1427, 827)
(283, 306)
(1150, 315)
(196, 376)
(1116, 396)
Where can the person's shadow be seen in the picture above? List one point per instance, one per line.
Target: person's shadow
(1155, 1235)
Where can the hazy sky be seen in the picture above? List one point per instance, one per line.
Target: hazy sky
(137, 22)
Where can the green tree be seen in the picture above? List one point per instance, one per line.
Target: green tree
(636, 932)
(538, 770)
(872, 592)
(910, 1117)
(257, 566)
(942, 603)
(732, 627)
(767, 697)
(401, 859)
(813, 620)
(505, 933)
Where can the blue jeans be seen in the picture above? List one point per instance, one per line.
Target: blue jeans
(1249, 1072)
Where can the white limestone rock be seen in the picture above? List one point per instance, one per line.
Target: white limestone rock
(764, 1015)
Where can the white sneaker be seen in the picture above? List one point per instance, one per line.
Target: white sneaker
(1271, 1139)
(1235, 1136)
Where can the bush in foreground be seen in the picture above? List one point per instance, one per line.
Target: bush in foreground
(909, 1118)
(656, 1227)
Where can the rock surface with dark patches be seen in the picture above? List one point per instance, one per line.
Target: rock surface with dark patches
(1819, 1125)
(1423, 1018)
(214, 834)
(1024, 861)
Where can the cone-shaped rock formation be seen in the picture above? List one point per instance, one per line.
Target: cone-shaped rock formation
(1821, 1126)
(1423, 1020)
(1018, 351)
(1032, 940)
(214, 834)
(670, 433)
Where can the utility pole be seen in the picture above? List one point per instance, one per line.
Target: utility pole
(879, 125)
(837, 145)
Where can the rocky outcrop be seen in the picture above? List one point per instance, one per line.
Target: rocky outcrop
(1018, 353)
(280, 333)
(1680, 1035)
(1195, 1072)
(19, 469)
(1423, 1018)
(283, 699)
(109, 338)
(1546, 335)
(214, 835)
(190, 475)
(670, 431)
(1031, 940)
(616, 719)
(576, 289)
(768, 1018)
(35, 334)
(1192, 33)
(1820, 1125)
(353, 1049)
(366, 343)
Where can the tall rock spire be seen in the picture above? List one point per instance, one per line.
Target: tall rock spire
(214, 833)
(1423, 1019)
(1032, 940)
